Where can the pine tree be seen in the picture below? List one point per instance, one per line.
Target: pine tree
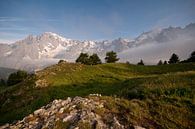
(174, 59)
(141, 62)
(165, 62)
(192, 57)
(111, 57)
(160, 62)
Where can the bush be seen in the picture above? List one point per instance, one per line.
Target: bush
(2, 82)
(17, 77)
(61, 61)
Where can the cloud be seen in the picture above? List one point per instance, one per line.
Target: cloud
(15, 28)
(19, 19)
(10, 19)
(153, 52)
(10, 37)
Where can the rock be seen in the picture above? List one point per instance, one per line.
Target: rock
(138, 127)
(78, 112)
(41, 83)
(39, 112)
(67, 118)
(4, 126)
(61, 110)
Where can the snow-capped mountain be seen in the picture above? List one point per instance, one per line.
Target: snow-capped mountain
(39, 51)
(159, 44)
(36, 52)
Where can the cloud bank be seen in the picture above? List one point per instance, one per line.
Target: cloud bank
(153, 52)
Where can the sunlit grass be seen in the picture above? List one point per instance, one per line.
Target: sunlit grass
(163, 95)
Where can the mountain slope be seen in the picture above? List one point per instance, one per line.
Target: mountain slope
(4, 72)
(36, 52)
(159, 44)
(82, 113)
(154, 96)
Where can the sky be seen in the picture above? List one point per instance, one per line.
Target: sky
(91, 19)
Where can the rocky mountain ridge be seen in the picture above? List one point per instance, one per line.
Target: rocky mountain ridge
(72, 113)
(37, 52)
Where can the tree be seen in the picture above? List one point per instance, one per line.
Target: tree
(17, 77)
(174, 59)
(94, 60)
(2, 82)
(160, 62)
(141, 62)
(165, 62)
(192, 57)
(83, 58)
(61, 61)
(127, 62)
(111, 57)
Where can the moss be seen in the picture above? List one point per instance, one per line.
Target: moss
(84, 125)
(61, 125)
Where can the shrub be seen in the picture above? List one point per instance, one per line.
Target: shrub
(2, 82)
(17, 77)
(61, 61)
(140, 63)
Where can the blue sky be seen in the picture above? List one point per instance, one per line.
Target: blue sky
(91, 19)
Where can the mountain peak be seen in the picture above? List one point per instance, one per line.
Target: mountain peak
(50, 33)
(55, 36)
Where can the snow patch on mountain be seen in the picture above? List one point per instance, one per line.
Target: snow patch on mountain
(36, 52)
(8, 53)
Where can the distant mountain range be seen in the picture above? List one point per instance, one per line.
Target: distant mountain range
(37, 52)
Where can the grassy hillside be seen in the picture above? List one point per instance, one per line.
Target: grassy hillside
(153, 96)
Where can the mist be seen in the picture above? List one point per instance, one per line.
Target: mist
(151, 53)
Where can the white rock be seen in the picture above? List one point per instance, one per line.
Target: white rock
(61, 110)
(138, 127)
(67, 118)
(39, 112)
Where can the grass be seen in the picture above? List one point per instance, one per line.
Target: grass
(153, 96)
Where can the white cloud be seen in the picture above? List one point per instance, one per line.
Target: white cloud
(153, 52)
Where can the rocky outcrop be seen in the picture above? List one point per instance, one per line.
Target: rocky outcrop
(76, 113)
(41, 83)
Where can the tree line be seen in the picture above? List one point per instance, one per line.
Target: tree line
(14, 78)
(111, 57)
(84, 58)
(175, 59)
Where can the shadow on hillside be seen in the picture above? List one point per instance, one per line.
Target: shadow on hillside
(19, 102)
